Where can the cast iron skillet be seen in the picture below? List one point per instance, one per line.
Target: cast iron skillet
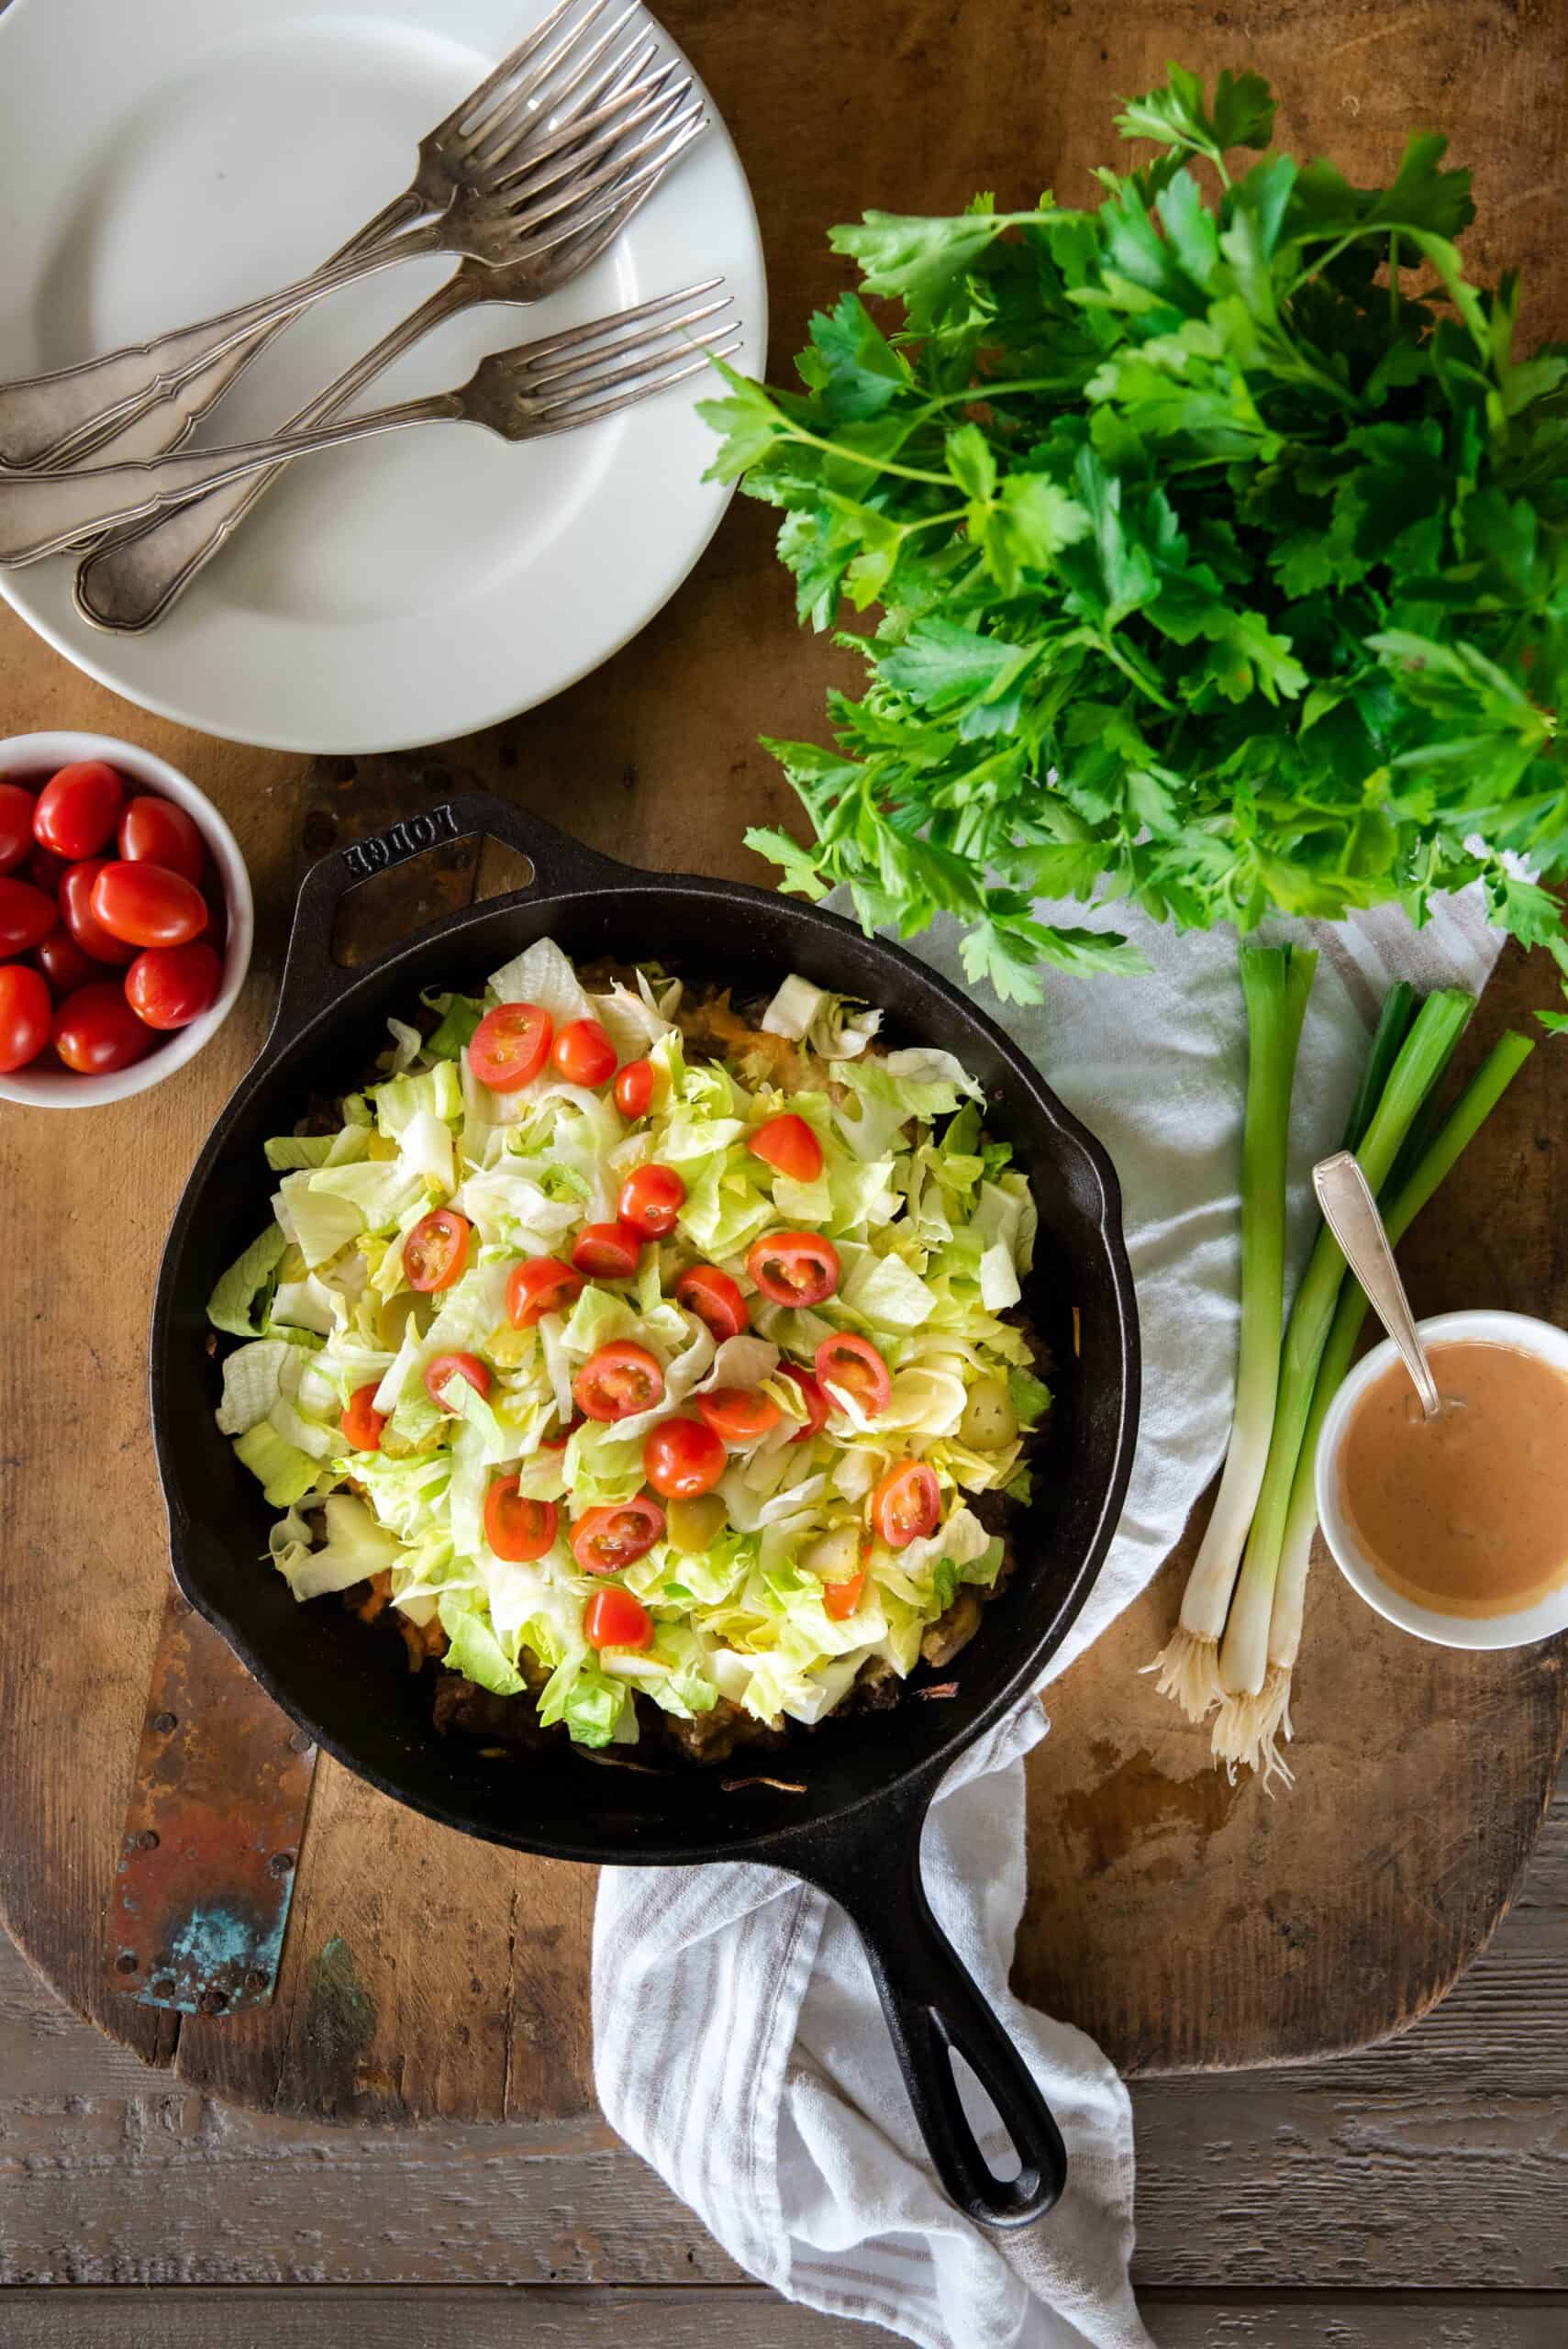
(869, 1777)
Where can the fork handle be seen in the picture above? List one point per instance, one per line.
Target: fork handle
(49, 417)
(41, 513)
(130, 579)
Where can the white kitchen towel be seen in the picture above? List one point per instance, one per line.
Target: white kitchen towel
(739, 2042)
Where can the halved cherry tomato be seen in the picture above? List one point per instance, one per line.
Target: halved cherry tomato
(815, 1403)
(75, 811)
(634, 1088)
(145, 906)
(794, 1267)
(714, 1297)
(517, 1527)
(171, 985)
(620, 1379)
(96, 1031)
(738, 1414)
(17, 841)
(64, 964)
(584, 1052)
(442, 1368)
(614, 1617)
(907, 1504)
(437, 1249)
(540, 1284)
(606, 1252)
(651, 1199)
(77, 885)
(788, 1144)
(363, 1423)
(154, 831)
(840, 1599)
(23, 1015)
(563, 1436)
(604, 1539)
(27, 916)
(510, 1045)
(681, 1458)
(854, 1367)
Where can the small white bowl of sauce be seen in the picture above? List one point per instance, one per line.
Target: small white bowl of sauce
(1455, 1528)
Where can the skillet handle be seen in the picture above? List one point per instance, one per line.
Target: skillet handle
(934, 2010)
(311, 979)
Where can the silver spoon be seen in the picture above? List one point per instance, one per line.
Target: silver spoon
(1351, 1213)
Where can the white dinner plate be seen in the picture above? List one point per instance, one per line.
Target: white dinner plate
(164, 159)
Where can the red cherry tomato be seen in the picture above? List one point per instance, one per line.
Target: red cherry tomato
(738, 1414)
(813, 1399)
(509, 1047)
(614, 1617)
(607, 1539)
(714, 1297)
(907, 1504)
(171, 985)
(16, 833)
(584, 1052)
(651, 1199)
(540, 1284)
(516, 1527)
(854, 1367)
(27, 916)
(788, 1144)
(63, 963)
(440, 1368)
(76, 887)
(23, 1015)
(145, 906)
(634, 1088)
(45, 871)
(620, 1379)
(95, 1030)
(681, 1458)
(840, 1599)
(76, 810)
(794, 1267)
(363, 1423)
(154, 831)
(563, 1436)
(606, 1252)
(437, 1250)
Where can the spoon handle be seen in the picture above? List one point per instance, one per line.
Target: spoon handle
(1351, 1213)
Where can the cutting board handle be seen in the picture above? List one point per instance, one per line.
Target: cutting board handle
(311, 980)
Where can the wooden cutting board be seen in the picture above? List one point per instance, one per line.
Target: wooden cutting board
(1185, 1923)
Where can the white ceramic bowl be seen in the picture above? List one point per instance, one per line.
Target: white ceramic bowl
(30, 756)
(1528, 1624)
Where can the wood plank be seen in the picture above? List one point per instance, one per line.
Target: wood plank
(321, 2318)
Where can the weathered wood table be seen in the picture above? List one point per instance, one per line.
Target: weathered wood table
(1188, 1925)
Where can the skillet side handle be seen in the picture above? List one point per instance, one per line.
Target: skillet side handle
(935, 2010)
(311, 979)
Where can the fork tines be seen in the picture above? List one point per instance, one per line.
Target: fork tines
(564, 377)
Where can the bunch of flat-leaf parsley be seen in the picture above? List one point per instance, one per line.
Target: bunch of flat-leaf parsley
(1219, 539)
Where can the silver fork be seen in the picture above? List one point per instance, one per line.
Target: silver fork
(148, 395)
(134, 576)
(552, 386)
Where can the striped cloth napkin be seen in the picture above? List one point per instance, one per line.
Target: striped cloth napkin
(739, 2044)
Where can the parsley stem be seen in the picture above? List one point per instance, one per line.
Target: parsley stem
(878, 464)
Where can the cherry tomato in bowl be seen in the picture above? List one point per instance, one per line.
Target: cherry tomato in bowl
(618, 1380)
(788, 1144)
(25, 1010)
(606, 1252)
(96, 1031)
(606, 1539)
(651, 1198)
(510, 1046)
(794, 1267)
(17, 829)
(77, 809)
(155, 831)
(840, 1599)
(540, 1284)
(64, 964)
(852, 1365)
(27, 916)
(715, 1298)
(437, 1250)
(738, 1414)
(442, 1368)
(681, 1458)
(614, 1617)
(907, 1506)
(76, 887)
(363, 1423)
(171, 985)
(145, 905)
(584, 1054)
(517, 1527)
(634, 1088)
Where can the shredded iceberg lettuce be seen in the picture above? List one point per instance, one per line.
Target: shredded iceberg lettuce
(790, 1578)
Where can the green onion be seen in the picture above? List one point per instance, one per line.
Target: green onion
(1244, 1661)
(1463, 1122)
(1392, 1027)
(1276, 982)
